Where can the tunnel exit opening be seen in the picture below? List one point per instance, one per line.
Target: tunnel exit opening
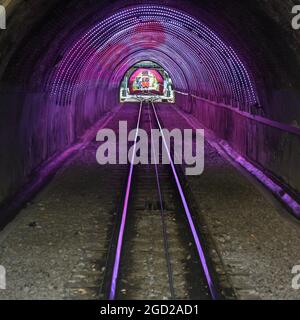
(147, 79)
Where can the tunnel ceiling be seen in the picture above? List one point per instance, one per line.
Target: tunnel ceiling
(210, 67)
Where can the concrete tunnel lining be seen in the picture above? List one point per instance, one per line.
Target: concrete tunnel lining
(61, 103)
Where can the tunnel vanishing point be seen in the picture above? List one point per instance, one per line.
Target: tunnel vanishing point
(228, 67)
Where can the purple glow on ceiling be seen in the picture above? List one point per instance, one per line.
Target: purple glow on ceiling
(201, 62)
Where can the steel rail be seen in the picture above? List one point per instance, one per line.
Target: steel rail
(200, 250)
(164, 225)
(116, 267)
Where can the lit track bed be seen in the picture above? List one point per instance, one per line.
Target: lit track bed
(156, 252)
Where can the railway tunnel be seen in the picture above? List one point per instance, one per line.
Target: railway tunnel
(234, 71)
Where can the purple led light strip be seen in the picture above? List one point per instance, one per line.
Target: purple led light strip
(189, 216)
(124, 216)
(220, 73)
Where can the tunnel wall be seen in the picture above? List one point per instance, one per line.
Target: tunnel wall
(37, 129)
(183, 100)
(275, 150)
(34, 127)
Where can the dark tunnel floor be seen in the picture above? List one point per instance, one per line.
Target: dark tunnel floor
(56, 248)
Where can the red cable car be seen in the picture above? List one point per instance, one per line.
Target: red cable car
(146, 79)
(145, 82)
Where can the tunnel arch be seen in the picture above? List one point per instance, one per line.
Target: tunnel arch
(131, 83)
(46, 110)
(221, 73)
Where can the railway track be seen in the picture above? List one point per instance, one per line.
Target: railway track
(156, 251)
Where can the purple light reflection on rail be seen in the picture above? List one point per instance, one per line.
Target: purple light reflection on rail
(124, 216)
(189, 217)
